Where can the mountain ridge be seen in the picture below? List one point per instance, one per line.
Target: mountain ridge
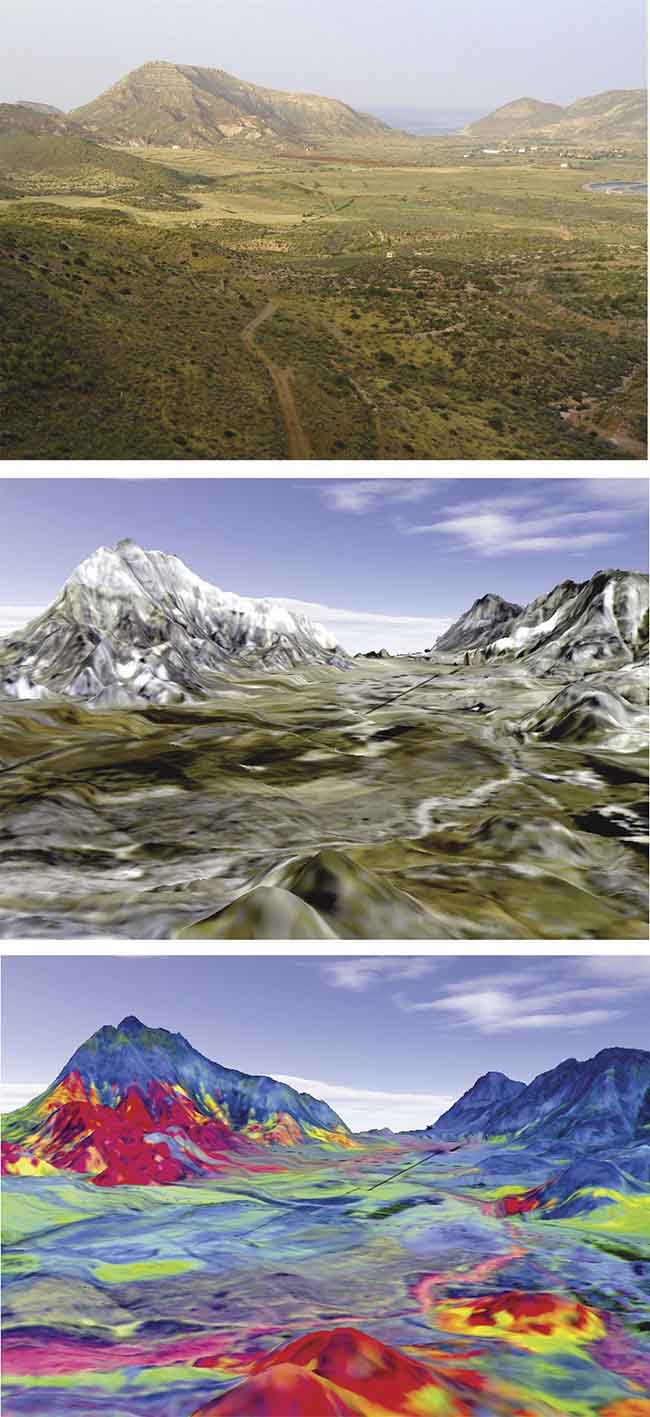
(140, 1105)
(476, 1105)
(46, 153)
(188, 105)
(132, 626)
(609, 114)
(592, 1102)
(577, 623)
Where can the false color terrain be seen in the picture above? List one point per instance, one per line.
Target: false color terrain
(450, 1272)
(323, 286)
(180, 761)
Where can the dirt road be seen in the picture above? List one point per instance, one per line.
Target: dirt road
(297, 441)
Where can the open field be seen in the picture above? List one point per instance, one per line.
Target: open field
(407, 799)
(424, 306)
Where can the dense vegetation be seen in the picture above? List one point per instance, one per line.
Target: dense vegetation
(418, 311)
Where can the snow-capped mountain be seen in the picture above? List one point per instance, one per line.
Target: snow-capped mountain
(576, 624)
(134, 626)
(489, 617)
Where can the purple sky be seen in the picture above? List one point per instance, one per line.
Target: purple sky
(387, 1041)
(415, 552)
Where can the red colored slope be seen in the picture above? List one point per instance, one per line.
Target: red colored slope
(335, 1371)
(157, 1139)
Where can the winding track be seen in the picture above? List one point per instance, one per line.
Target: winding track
(297, 441)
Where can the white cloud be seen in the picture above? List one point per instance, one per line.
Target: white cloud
(358, 497)
(18, 1094)
(510, 1007)
(628, 493)
(359, 630)
(13, 617)
(623, 972)
(363, 973)
(363, 1108)
(490, 533)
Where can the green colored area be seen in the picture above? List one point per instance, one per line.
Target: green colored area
(142, 1269)
(63, 164)
(424, 307)
(26, 1215)
(618, 1214)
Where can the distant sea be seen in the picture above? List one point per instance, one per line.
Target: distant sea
(426, 122)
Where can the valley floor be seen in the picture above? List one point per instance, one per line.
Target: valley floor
(400, 799)
(149, 1301)
(415, 305)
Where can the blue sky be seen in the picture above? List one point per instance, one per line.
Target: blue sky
(387, 1041)
(414, 552)
(460, 53)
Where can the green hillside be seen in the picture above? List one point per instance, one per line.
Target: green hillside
(42, 155)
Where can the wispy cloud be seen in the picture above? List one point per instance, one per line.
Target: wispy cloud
(359, 630)
(363, 1108)
(490, 533)
(13, 617)
(18, 1094)
(627, 493)
(363, 973)
(358, 497)
(507, 1003)
(575, 516)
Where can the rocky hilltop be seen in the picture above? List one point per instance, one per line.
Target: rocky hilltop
(582, 624)
(598, 1102)
(489, 617)
(616, 114)
(194, 107)
(40, 121)
(471, 1113)
(133, 627)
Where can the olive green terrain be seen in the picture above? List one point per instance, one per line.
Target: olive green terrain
(37, 160)
(372, 803)
(412, 305)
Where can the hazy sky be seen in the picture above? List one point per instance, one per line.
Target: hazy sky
(380, 562)
(386, 1041)
(433, 53)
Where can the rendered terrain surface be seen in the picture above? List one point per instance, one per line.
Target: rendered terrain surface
(324, 286)
(373, 1274)
(179, 761)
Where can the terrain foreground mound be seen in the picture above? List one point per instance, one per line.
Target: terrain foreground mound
(339, 1371)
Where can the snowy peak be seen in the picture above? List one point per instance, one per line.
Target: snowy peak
(489, 617)
(132, 626)
(581, 624)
